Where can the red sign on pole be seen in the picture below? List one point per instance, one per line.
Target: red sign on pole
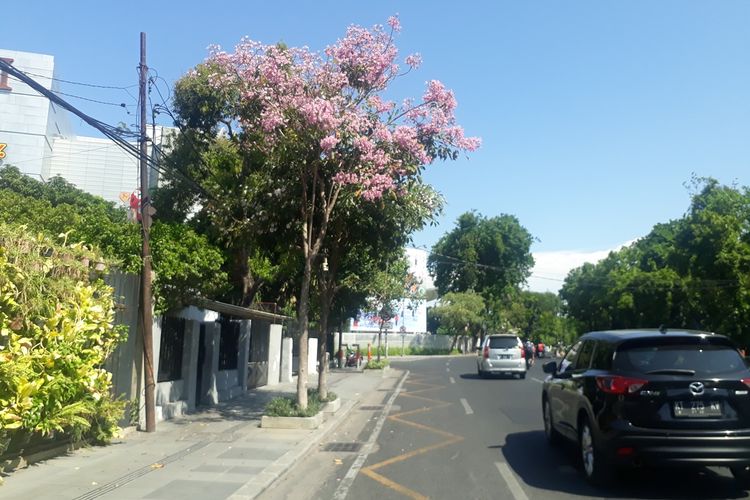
(4, 76)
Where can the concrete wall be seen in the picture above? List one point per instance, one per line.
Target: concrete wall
(395, 340)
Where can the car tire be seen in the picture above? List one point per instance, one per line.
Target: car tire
(595, 468)
(742, 475)
(522, 375)
(553, 437)
(480, 372)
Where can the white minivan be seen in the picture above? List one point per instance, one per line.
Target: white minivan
(501, 354)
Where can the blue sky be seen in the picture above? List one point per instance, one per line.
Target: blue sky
(593, 114)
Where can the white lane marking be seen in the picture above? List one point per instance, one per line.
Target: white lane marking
(453, 380)
(343, 490)
(466, 406)
(447, 369)
(537, 380)
(511, 481)
(447, 363)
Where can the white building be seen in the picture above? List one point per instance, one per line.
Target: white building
(412, 317)
(36, 136)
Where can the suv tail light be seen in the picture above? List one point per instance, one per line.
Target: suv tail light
(745, 381)
(615, 384)
(486, 352)
(523, 353)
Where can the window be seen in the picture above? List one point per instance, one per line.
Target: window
(603, 356)
(698, 357)
(570, 357)
(503, 342)
(584, 357)
(170, 350)
(229, 342)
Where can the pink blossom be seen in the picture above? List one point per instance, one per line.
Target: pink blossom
(414, 60)
(328, 143)
(288, 92)
(394, 23)
(440, 96)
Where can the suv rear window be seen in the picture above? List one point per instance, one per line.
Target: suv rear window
(701, 356)
(503, 342)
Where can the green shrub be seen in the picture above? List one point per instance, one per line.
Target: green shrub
(377, 365)
(286, 406)
(395, 351)
(56, 331)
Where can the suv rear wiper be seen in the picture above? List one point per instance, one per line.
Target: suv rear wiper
(671, 371)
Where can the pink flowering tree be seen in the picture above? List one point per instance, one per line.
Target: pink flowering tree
(320, 125)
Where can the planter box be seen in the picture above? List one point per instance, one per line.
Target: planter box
(332, 407)
(292, 422)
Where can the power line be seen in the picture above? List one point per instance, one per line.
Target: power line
(108, 103)
(81, 83)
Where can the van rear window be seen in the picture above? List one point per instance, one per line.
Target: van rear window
(503, 342)
(704, 359)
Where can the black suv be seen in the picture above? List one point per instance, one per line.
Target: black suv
(651, 397)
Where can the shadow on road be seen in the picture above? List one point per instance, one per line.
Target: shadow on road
(542, 466)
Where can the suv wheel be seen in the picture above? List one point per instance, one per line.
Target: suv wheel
(553, 437)
(742, 475)
(595, 468)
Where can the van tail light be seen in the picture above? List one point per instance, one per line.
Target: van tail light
(745, 381)
(523, 353)
(620, 385)
(486, 352)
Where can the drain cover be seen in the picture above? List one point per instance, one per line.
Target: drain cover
(371, 408)
(343, 447)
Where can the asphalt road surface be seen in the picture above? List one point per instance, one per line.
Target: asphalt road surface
(445, 433)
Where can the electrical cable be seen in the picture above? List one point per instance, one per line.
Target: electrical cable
(81, 83)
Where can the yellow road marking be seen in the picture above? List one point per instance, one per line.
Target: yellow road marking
(393, 485)
(398, 417)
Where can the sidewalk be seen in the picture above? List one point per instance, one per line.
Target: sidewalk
(220, 453)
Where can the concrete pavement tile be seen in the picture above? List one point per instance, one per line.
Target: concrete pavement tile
(205, 490)
(219, 469)
(242, 453)
(247, 470)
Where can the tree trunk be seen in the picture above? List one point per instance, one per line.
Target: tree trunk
(453, 343)
(242, 277)
(322, 347)
(304, 299)
(380, 334)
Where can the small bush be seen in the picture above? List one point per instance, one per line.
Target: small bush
(377, 365)
(286, 406)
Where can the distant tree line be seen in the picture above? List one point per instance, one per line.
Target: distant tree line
(692, 272)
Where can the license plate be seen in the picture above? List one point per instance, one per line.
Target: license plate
(504, 356)
(697, 409)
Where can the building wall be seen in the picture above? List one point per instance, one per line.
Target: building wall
(40, 140)
(25, 115)
(412, 315)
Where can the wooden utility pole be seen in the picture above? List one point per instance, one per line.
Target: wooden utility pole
(146, 302)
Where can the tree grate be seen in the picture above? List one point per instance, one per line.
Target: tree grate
(343, 447)
(371, 408)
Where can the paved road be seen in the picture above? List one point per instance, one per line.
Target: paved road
(450, 434)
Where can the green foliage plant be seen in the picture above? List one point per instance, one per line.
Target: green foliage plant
(56, 331)
(374, 364)
(285, 406)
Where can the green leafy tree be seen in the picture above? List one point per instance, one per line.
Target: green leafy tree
(386, 289)
(460, 313)
(690, 273)
(278, 134)
(490, 256)
(186, 264)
